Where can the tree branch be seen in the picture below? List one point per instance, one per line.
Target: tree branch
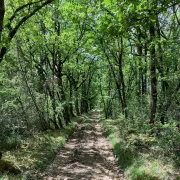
(20, 8)
(25, 18)
(15, 29)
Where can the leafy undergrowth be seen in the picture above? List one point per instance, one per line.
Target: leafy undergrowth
(139, 154)
(36, 153)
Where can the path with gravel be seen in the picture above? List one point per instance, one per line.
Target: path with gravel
(87, 155)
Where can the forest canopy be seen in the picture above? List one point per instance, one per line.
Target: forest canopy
(60, 59)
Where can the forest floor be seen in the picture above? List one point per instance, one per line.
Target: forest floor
(84, 150)
(87, 155)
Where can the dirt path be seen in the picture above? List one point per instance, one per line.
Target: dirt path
(86, 156)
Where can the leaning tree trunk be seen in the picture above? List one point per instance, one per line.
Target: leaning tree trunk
(121, 75)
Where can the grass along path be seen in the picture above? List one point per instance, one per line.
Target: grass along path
(35, 153)
(141, 162)
(87, 155)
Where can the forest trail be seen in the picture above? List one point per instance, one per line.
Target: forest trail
(86, 156)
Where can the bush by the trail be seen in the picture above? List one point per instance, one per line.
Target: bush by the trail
(7, 166)
(34, 153)
(141, 154)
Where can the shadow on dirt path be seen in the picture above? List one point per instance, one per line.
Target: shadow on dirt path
(86, 156)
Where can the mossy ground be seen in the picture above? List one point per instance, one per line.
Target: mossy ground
(35, 153)
(139, 155)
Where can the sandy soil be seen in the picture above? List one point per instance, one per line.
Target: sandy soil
(86, 156)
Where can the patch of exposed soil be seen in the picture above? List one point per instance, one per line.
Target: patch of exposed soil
(86, 156)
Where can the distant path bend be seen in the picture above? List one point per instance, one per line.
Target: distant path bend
(86, 156)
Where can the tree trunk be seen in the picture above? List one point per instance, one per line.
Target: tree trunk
(84, 101)
(52, 93)
(117, 81)
(66, 114)
(153, 106)
(121, 75)
(164, 84)
(109, 103)
(2, 12)
(76, 102)
(144, 83)
(140, 72)
(43, 123)
(71, 104)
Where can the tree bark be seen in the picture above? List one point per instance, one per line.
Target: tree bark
(121, 75)
(71, 104)
(102, 96)
(164, 84)
(153, 106)
(76, 102)
(144, 84)
(2, 12)
(66, 114)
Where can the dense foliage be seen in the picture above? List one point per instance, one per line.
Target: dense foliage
(60, 59)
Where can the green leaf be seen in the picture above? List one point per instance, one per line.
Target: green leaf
(107, 2)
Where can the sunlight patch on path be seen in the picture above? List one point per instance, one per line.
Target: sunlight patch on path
(86, 156)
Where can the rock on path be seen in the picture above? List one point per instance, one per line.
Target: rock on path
(86, 156)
